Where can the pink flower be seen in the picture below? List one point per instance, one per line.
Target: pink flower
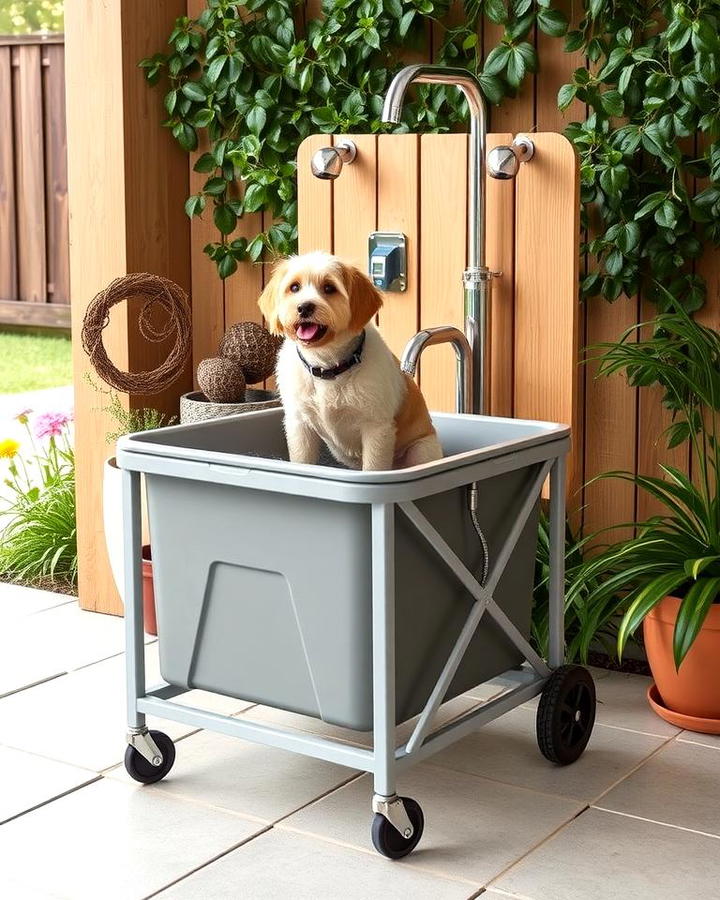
(22, 416)
(51, 424)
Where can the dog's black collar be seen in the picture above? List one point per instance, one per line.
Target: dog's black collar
(329, 374)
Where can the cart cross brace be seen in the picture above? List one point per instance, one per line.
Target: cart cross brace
(484, 602)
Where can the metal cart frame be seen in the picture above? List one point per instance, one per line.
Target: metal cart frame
(384, 760)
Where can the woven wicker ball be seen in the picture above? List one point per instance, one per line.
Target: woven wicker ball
(253, 347)
(221, 380)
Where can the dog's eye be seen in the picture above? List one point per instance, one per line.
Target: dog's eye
(329, 288)
(294, 287)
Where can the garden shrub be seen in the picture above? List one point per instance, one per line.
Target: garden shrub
(38, 540)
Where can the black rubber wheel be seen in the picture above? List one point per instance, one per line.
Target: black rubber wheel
(388, 840)
(566, 714)
(145, 772)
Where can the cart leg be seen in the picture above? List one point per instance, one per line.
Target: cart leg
(556, 587)
(398, 823)
(134, 643)
(383, 632)
(149, 755)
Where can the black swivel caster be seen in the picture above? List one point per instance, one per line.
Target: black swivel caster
(566, 714)
(143, 770)
(388, 840)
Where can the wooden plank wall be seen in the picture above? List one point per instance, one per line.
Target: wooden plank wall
(618, 426)
(34, 261)
(223, 302)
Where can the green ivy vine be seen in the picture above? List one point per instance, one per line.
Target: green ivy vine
(259, 78)
(649, 147)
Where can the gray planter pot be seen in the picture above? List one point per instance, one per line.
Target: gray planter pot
(195, 407)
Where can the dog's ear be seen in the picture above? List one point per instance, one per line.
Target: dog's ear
(365, 299)
(270, 298)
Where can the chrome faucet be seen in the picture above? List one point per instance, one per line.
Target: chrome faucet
(444, 334)
(477, 278)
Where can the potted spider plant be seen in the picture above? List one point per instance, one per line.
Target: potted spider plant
(589, 625)
(668, 576)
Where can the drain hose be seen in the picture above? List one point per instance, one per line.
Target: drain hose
(473, 494)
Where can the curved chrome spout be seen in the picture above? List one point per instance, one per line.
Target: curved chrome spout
(477, 277)
(470, 86)
(444, 334)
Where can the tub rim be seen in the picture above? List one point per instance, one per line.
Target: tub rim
(138, 443)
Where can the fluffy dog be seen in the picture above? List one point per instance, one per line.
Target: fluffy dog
(338, 380)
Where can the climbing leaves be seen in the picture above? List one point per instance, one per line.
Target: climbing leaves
(256, 83)
(654, 84)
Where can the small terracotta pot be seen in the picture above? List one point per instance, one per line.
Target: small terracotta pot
(694, 690)
(148, 591)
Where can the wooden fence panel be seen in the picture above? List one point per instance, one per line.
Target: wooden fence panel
(243, 288)
(34, 243)
(653, 419)
(8, 234)
(208, 290)
(56, 198)
(709, 268)
(207, 287)
(29, 172)
(610, 424)
(556, 69)
(157, 230)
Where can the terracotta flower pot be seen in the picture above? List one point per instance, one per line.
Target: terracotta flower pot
(148, 591)
(694, 690)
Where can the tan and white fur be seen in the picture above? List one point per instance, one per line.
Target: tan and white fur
(372, 416)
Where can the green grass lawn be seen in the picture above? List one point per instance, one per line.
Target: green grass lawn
(29, 362)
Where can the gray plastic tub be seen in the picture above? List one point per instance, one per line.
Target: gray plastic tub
(262, 567)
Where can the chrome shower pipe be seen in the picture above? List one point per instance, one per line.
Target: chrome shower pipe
(477, 277)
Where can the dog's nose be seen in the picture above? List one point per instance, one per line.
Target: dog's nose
(306, 309)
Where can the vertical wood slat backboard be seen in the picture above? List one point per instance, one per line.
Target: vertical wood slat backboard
(418, 185)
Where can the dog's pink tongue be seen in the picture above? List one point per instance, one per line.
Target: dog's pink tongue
(307, 331)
